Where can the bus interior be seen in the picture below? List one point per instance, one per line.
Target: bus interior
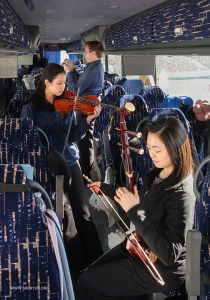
(156, 56)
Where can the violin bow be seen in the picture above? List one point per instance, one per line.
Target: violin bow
(71, 121)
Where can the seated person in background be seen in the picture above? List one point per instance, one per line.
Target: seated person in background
(162, 212)
(81, 242)
(90, 82)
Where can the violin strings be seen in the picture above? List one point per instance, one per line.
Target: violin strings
(87, 101)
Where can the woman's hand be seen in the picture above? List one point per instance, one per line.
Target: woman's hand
(94, 186)
(126, 199)
(97, 111)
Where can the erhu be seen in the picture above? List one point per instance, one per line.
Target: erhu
(137, 247)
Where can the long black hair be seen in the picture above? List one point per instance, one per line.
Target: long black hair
(38, 97)
(172, 133)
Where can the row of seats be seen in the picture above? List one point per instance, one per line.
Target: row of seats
(30, 236)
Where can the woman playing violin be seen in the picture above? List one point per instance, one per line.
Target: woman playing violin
(39, 107)
(162, 212)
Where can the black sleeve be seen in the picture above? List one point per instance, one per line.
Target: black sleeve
(108, 190)
(168, 243)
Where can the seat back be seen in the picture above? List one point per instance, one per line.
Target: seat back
(153, 95)
(23, 94)
(13, 109)
(132, 86)
(111, 97)
(28, 265)
(201, 222)
(141, 111)
(20, 144)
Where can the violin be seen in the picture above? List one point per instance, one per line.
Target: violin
(65, 104)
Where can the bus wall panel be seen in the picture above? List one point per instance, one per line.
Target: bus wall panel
(192, 16)
(134, 32)
(159, 26)
(75, 46)
(12, 30)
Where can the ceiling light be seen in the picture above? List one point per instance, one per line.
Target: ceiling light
(48, 20)
(114, 6)
(48, 27)
(87, 24)
(48, 11)
(80, 29)
(100, 16)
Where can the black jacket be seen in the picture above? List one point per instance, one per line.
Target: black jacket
(162, 218)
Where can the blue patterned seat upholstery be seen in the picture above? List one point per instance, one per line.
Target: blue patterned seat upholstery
(185, 104)
(23, 94)
(111, 97)
(20, 144)
(110, 77)
(13, 109)
(141, 111)
(153, 95)
(201, 222)
(28, 266)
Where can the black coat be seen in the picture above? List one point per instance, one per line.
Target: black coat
(162, 218)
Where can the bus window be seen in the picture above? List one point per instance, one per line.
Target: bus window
(184, 75)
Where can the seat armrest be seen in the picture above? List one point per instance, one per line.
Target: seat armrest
(192, 274)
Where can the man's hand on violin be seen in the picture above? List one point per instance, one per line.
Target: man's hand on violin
(97, 111)
(94, 186)
(126, 199)
(67, 65)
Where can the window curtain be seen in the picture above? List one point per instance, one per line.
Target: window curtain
(73, 57)
(52, 56)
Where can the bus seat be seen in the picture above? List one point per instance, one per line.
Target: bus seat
(153, 95)
(141, 111)
(175, 112)
(13, 109)
(36, 73)
(20, 143)
(132, 86)
(107, 85)
(185, 104)
(201, 222)
(191, 286)
(120, 80)
(29, 268)
(112, 98)
(110, 77)
(23, 94)
(175, 101)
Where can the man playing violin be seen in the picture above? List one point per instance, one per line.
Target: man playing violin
(90, 82)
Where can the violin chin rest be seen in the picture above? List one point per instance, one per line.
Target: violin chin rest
(129, 106)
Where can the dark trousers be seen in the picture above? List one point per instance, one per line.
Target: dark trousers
(73, 246)
(116, 275)
(86, 152)
(85, 228)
